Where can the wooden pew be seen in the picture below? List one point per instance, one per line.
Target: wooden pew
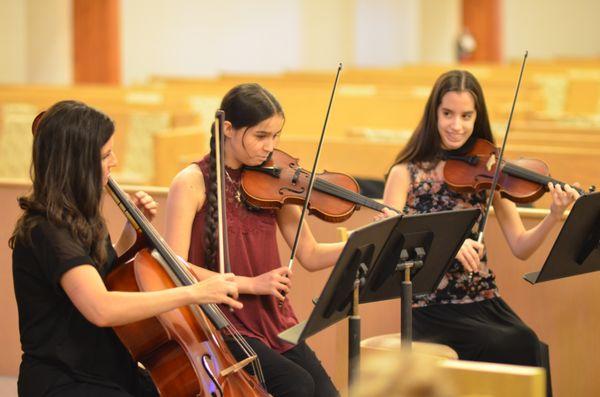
(563, 312)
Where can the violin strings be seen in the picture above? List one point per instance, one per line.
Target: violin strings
(349, 195)
(524, 173)
(344, 193)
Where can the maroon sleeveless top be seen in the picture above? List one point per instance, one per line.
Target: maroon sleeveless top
(252, 251)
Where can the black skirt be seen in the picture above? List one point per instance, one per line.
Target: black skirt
(488, 330)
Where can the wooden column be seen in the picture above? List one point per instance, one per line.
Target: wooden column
(483, 19)
(96, 41)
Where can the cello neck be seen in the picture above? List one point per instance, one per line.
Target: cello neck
(145, 228)
(179, 273)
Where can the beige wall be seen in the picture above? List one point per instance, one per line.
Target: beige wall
(328, 35)
(551, 28)
(189, 37)
(49, 46)
(440, 26)
(564, 313)
(13, 41)
(35, 42)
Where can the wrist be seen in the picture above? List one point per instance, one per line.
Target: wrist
(190, 295)
(554, 216)
(246, 285)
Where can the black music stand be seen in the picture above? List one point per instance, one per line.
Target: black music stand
(336, 301)
(415, 258)
(364, 250)
(577, 248)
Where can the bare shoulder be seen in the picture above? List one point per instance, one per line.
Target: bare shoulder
(188, 186)
(397, 186)
(190, 177)
(399, 171)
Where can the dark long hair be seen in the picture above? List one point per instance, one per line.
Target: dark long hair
(245, 106)
(425, 143)
(66, 172)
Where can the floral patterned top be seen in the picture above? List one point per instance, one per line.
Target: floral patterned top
(429, 193)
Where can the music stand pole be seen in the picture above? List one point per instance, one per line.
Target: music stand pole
(354, 336)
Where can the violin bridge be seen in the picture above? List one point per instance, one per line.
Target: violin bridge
(491, 162)
(237, 366)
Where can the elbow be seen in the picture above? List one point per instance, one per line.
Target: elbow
(100, 315)
(522, 255)
(308, 265)
(311, 269)
(101, 323)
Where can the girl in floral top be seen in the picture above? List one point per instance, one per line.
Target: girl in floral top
(466, 311)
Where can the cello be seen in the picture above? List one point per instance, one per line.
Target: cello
(182, 349)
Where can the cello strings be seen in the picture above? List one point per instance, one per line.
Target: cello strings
(244, 345)
(183, 273)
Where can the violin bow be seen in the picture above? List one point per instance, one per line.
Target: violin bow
(311, 181)
(483, 221)
(224, 264)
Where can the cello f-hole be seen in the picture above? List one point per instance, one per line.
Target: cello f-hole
(205, 363)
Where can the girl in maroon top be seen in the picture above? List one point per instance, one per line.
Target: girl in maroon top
(253, 122)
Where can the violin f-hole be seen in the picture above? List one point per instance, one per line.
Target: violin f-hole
(296, 191)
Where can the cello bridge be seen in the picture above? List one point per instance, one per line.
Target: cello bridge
(237, 366)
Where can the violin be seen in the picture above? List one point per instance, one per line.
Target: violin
(280, 180)
(522, 181)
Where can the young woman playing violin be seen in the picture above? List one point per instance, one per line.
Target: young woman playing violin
(466, 311)
(61, 255)
(253, 122)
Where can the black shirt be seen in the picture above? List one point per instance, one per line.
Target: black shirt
(59, 345)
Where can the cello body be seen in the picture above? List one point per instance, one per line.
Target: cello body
(182, 358)
(183, 349)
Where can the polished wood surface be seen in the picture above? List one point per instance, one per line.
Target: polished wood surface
(470, 378)
(392, 342)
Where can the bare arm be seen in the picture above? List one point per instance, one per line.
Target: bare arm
(104, 308)
(524, 242)
(186, 197)
(396, 187)
(312, 255)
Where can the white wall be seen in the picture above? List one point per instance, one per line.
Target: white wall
(387, 32)
(196, 38)
(327, 34)
(13, 39)
(551, 28)
(441, 23)
(202, 37)
(49, 41)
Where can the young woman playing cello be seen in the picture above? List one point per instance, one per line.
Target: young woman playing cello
(61, 255)
(253, 122)
(466, 311)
